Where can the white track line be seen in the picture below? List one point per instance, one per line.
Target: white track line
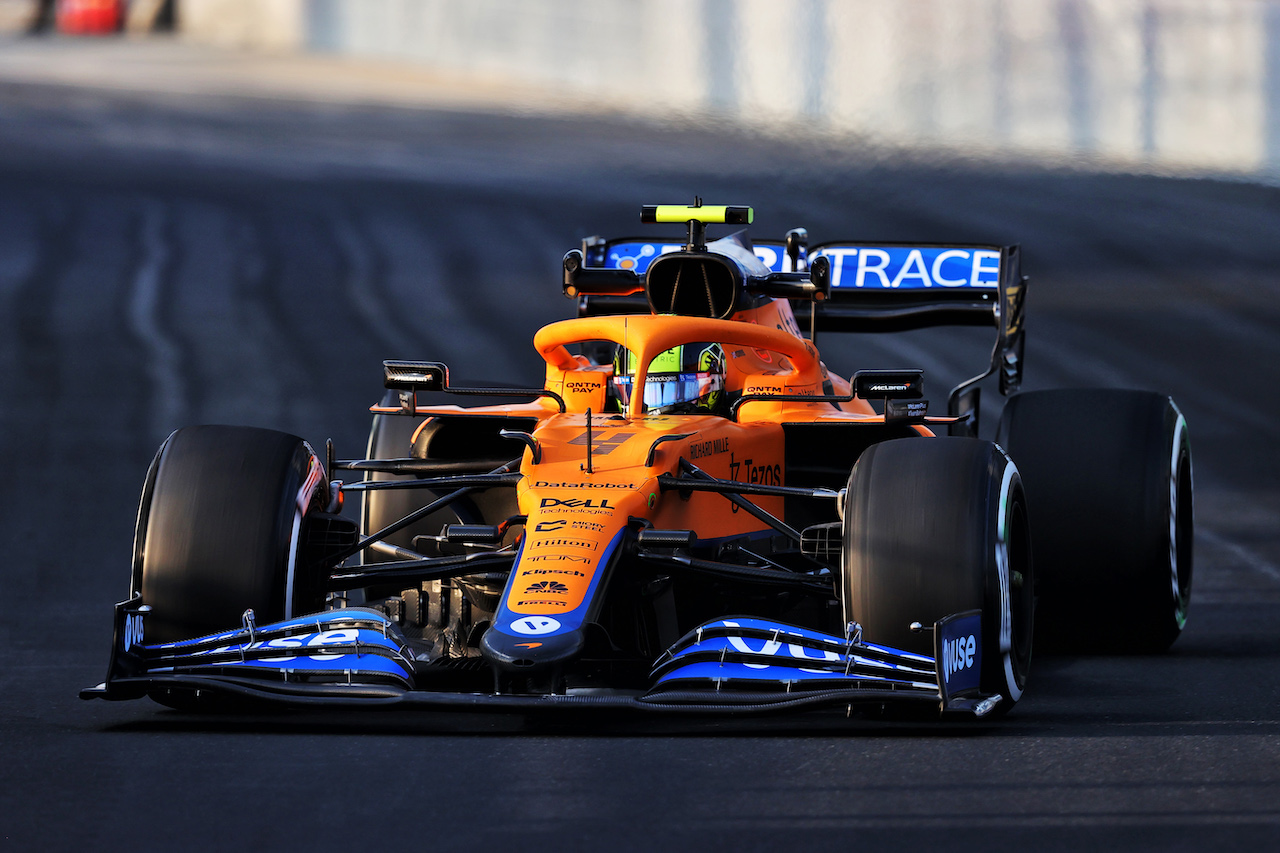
(1249, 558)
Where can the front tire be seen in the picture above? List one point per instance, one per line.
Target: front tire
(936, 526)
(218, 530)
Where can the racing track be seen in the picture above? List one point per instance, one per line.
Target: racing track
(166, 261)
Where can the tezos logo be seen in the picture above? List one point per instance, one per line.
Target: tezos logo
(957, 655)
(535, 625)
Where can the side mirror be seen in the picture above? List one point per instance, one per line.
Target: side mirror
(889, 384)
(415, 376)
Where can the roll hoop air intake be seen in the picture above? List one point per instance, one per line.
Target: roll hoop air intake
(701, 280)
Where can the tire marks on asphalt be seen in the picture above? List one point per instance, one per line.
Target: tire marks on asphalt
(163, 356)
(502, 261)
(36, 367)
(364, 269)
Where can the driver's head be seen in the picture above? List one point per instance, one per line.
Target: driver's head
(686, 379)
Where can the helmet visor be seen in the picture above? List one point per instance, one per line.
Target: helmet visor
(662, 390)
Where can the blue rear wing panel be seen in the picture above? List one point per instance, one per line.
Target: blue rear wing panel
(636, 254)
(911, 268)
(888, 287)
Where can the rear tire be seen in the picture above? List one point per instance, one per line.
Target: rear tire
(218, 530)
(1109, 487)
(937, 526)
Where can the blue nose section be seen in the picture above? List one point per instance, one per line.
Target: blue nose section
(525, 644)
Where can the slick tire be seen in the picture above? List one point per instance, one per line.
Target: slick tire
(935, 526)
(218, 530)
(1109, 492)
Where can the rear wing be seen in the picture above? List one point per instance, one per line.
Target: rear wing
(865, 287)
(849, 287)
(889, 287)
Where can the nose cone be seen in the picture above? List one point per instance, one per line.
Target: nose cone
(513, 652)
(554, 591)
(575, 521)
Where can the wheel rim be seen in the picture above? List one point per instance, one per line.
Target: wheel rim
(306, 494)
(1013, 564)
(1181, 523)
(1022, 595)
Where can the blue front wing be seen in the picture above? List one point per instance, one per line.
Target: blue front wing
(738, 664)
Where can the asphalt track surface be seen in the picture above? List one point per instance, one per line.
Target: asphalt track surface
(176, 260)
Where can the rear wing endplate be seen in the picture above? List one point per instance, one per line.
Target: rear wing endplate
(889, 287)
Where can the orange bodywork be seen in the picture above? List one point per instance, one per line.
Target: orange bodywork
(590, 483)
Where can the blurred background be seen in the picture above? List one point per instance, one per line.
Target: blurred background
(230, 211)
(1137, 84)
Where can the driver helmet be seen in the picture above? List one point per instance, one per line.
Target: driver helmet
(685, 379)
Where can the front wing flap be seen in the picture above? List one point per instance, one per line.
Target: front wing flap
(743, 656)
(758, 652)
(732, 665)
(337, 654)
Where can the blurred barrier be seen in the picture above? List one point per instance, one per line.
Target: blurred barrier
(259, 24)
(17, 16)
(1171, 84)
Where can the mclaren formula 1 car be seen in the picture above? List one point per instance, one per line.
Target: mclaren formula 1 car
(693, 513)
